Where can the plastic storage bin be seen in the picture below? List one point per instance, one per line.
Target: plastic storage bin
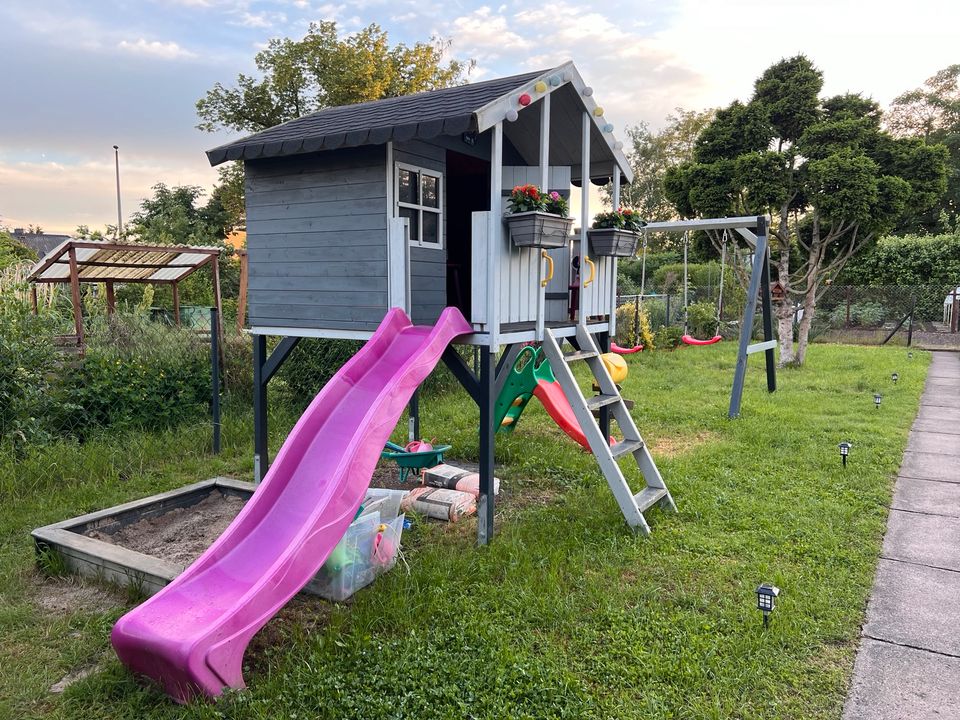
(359, 557)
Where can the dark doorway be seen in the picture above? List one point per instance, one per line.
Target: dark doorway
(468, 191)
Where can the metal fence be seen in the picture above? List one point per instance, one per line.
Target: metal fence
(924, 316)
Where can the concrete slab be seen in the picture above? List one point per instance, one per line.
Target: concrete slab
(930, 466)
(941, 395)
(916, 606)
(892, 683)
(927, 496)
(937, 426)
(941, 414)
(926, 539)
(933, 442)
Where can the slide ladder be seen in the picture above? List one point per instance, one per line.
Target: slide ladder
(655, 492)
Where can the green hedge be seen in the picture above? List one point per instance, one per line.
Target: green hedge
(910, 260)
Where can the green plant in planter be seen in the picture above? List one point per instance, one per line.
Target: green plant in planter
(527, 198)
(556, 204)
(620, 219)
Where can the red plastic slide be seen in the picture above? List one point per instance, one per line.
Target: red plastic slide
(558, 407)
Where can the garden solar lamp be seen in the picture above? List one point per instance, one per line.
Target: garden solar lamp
(910, 355)
(877, 398)
(767, 600)
(844, 451)
(895, 377)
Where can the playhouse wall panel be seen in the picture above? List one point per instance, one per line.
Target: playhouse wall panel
(428, 265)
(317, 240)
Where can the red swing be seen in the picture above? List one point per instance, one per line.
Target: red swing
(625, 351)
(686, 338)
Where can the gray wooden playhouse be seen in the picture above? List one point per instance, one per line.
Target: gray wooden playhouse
(400, 203)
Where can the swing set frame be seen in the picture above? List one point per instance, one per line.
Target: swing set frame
(753, 229)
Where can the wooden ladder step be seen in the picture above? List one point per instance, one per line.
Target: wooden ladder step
(579, 355)
(648, 497)
(599, 401)
(625, 447)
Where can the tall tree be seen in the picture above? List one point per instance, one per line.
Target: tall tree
(325, 69)
(174, 216)
(830, 178)
(932, 114)
(651, 153)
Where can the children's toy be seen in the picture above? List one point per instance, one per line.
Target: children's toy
(531, 375)
(411, 462)
(616, 366)
(625, 351)
(688, 339)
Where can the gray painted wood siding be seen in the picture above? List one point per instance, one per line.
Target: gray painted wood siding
(317, 240)
(428, 266)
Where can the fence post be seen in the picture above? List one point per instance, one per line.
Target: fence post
(215, 378)
(849, 293)
(913, 308)
(955, 313)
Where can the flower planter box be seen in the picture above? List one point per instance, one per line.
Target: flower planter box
(538, 229)
(613, 242)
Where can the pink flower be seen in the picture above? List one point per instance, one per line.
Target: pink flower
(554, 195)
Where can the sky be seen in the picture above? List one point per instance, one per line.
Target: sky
(79, 77)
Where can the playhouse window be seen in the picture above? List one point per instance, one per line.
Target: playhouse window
(418, 200)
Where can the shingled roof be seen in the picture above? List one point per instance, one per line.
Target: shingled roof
(450, 111)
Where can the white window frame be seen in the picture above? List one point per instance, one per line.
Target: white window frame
(438, 211)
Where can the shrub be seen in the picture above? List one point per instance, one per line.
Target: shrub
(862, 314)
(135, 373)
(311, 364)
(668, 336)
(702, 319)
(628, 334)
(633, 269)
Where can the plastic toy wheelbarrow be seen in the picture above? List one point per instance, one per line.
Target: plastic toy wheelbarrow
(411, 463)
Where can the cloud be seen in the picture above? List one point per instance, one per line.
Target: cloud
(261, 20)
(155, 48)
(85, 192)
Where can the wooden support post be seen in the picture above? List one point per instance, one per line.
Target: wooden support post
(413, 428)
(486, 403)
(494, 238)
(75, 296)
(175, 288)
(111, 299)
(585, 268)
(767, 307)
(544, 186)
(215, 383)
(33, 299)
(244, 282)
(261, 455)
(603, 343)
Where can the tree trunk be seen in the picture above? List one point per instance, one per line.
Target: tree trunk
(784, 312)
(803, 331)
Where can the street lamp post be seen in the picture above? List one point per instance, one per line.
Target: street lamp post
(116, 158)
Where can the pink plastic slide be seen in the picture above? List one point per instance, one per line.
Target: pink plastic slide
(191, 636)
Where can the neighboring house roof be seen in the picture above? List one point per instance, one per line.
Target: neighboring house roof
(450, 111)
(41, 243)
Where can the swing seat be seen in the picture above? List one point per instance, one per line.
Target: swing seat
(625, 351)
(690, 340)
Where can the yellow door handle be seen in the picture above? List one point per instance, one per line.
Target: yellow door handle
(546, 256)
(593, 271)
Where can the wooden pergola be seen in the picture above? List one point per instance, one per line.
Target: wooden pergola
(102, 261)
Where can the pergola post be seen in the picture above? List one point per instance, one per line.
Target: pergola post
(111, 299)
(244, 282)
(217, 302)
(33, 299)
(75, 296)
(175, 289)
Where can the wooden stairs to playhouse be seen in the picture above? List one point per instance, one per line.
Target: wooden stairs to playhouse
(633, 505)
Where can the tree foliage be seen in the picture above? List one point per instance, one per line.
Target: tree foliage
(12, 251)
(173, 216)
(831, 178)
(651, 153)
(325, 69)
(931, 115)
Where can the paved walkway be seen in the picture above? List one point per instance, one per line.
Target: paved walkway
(908, 665)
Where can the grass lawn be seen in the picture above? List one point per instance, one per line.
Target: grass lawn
(567, 614)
